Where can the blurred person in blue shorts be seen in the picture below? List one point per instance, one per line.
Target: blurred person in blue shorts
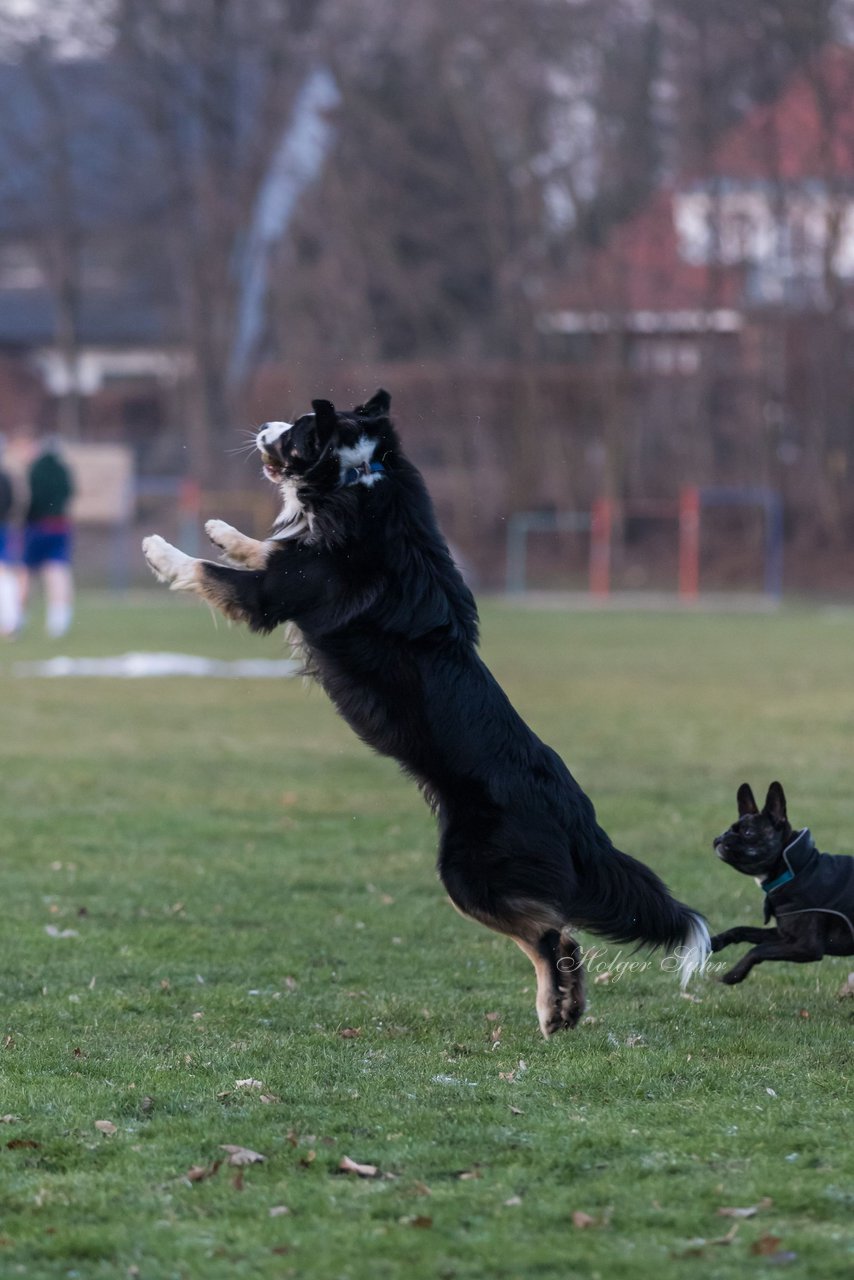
(47, 535)
(9, 599)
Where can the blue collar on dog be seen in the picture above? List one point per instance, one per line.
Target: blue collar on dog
(354, 474)
(801, 852)
(775, 884)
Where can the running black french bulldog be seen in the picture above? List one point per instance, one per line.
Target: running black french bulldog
(809, 894)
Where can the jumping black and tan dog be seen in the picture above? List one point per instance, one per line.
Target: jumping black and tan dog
(809, 894)
(390, 630)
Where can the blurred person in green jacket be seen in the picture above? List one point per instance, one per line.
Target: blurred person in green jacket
(47, 535)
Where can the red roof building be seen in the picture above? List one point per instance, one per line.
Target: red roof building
(768, 223)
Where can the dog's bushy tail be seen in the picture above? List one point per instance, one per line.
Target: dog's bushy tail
(623, 900)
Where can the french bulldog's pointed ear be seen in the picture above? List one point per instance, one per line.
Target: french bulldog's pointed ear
(746, 802)
(325, 418)
(377, 407)
(775, 803)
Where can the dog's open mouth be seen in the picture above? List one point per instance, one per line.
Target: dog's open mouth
(273, 469)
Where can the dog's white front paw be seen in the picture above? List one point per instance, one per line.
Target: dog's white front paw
(169, 564)
(220, 533)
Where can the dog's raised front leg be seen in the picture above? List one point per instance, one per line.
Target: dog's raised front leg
(743, 933)
(238, 548)
(235, 592)
(800, 951)
(170, 565)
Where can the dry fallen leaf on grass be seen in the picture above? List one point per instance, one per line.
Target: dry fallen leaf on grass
(278, 1210)
(748, 1212)
(847, 988)
(241, 1155)
(346, 1165)
(10, 1119)
(249, 1083)
(349, 1033)
(766, 1246)
(512, 1202)
(581, 1219)
(199, 1172)
(105, 1126)
(518, 1070)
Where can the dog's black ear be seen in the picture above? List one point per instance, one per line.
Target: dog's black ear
(775, 803)
(325, 419)
(746, 802)
(377, 407)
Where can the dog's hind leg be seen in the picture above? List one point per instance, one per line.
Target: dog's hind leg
(555, 955)
(537, 925)
(560, 980)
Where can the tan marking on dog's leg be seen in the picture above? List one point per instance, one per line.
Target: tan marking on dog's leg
(548, 992)
(185, 573)
(218, 593)
(528, 923)
(238, 547)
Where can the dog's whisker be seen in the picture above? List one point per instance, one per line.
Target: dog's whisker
(248, 446)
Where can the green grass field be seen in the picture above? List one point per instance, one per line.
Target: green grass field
(250, 896)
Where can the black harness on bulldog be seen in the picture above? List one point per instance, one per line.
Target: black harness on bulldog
(813, 881)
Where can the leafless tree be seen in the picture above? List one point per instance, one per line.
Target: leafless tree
(46, 215)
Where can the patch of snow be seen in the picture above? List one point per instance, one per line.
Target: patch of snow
(136, 666)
